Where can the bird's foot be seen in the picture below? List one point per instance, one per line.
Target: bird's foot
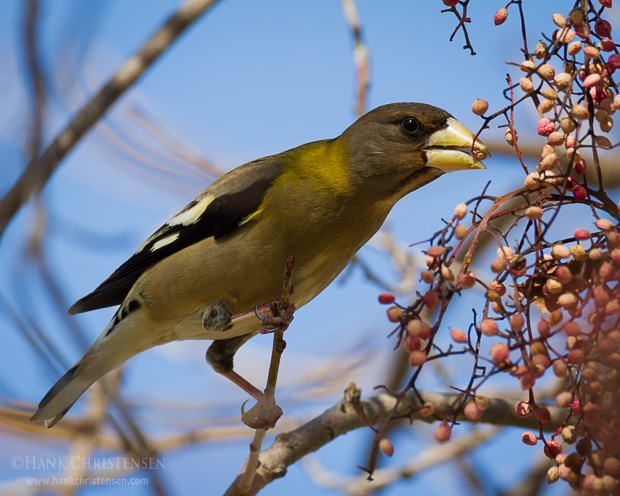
(260, 416)
(275, 318)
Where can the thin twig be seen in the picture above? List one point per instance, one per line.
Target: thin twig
(40, 169)
(268, 404)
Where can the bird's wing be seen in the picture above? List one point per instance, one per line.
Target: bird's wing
(219, 210)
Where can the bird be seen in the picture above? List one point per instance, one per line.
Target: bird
(203, 273)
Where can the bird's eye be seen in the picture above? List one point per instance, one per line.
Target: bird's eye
(410, 125)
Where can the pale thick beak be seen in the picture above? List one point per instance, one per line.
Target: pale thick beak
(453, 148)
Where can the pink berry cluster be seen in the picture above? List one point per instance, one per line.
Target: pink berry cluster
(569, 77)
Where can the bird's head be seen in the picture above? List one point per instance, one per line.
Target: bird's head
(397, 148)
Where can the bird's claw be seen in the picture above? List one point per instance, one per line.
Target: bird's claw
(257, 418)
(275, 318)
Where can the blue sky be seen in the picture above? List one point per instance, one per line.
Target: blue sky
(249, 79)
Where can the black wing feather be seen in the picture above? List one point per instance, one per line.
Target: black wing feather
(237, 196)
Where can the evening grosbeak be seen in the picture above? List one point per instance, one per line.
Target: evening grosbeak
(201, 275)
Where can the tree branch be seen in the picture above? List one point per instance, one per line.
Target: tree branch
(40, 169)
(343, 417)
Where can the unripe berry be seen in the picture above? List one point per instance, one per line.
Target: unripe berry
(427, 276)
(547, 72)
(499, 352)
(458, 335)
(460, 231)
(564, 35)
(517, 321)
(533, 213)
(567, 124)
(473, 411)
(540, 51)
(417, 358)
(552, 448)
(419, 329)
(447, 274)
(510, 138)
(488, 327)
(560, 251)
(576, 357)
(529, 438)
(559, 20)
(604, 224)
(480, 106)
(574, 48)
(591, 52)
(567, 300)
(523, 409)
(544, 328)
(498, 265)
(528, 66)
(460, 211)
(443, 432)
(553, 475)
(579, 112)
(526, 85)
(556, 138)
(466, 280)
(386, 447)
(592, 80)
(563, 81)
(395, 314)
(564, 399)
(560, 368)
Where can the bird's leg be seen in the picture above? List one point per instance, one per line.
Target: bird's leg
(220, 355)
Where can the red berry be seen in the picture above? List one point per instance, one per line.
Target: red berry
(450, 3)
(500, 16)
(430, 298)
(580, 193)
(545, 126)
(580, 167)
(386, 298)
(553, 448)
(614, 60)
(602, 28)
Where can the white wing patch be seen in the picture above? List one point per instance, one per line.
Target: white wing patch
(164, 241)
(191, 215)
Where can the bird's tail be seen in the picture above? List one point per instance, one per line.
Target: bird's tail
(106, 353)
(63, 395)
